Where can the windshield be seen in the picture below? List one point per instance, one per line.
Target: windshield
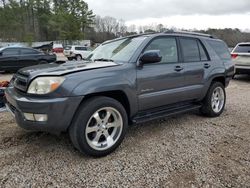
(120, 50)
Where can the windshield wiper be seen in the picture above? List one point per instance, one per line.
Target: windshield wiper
(103, 59)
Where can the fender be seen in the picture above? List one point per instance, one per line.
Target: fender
(109, 84)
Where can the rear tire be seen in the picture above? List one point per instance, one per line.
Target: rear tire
(99, 126)
(78, 57)
(215, 100)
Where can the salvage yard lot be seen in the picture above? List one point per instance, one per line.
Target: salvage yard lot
(186, 150)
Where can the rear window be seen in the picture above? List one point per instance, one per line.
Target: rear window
(242, 48)
(221, 49)
(81, 48)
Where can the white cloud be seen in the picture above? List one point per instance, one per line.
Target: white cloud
(198, 21)
(179, 13)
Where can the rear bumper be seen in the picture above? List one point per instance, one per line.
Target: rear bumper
(242, 69)
(60, 111)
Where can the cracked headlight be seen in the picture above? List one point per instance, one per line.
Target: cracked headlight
(45, 85)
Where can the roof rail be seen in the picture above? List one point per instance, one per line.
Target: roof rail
(190, 33)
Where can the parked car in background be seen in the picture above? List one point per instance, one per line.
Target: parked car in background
(57, 48)
(124, 81)
(15, 58)
(241, 58)
(77, 52)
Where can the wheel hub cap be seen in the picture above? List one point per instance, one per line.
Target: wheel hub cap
(104, 128)
(218, 99)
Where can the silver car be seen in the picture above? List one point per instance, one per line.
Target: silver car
(241, 58)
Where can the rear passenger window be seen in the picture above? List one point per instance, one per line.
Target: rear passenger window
(203, 53)
(190, 49)
(167, 47)
(28, 52)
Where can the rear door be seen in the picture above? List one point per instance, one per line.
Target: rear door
(28, 57)
(196, 62)
(160, 84)
(9, 59)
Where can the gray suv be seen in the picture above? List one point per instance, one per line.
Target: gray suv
(124, 81)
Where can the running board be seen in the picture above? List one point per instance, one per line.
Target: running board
(161, 113)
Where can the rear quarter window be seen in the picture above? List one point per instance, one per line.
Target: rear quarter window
(242, 48)
(221, 49)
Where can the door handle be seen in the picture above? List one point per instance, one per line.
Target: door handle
(178, 68)
(206, 65)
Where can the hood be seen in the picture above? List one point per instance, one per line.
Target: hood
(63, 69)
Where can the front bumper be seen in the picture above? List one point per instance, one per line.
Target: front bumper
(242, 69)
(60, 111)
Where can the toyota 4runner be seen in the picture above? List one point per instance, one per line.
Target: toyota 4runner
(124, 81)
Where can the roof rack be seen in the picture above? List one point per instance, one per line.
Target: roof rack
(190, 33)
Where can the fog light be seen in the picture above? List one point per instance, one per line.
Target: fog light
(29, 116)
(41, 117)
(36, 117)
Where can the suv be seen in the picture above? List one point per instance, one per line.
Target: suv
(76, 52)
(124, 81)
(241, 58)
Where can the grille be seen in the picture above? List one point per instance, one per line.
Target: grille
(20, 81)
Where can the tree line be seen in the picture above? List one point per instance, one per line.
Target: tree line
(50, 20)
(43, 20)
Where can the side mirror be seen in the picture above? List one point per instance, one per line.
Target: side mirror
(151, 56)
(1, 53)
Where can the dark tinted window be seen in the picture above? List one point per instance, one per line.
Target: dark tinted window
(11, 51)
(242, 48)
(81, 48)
(203, 53)
(221, 49)
(167, 47)
(190, 50)
(28, 51)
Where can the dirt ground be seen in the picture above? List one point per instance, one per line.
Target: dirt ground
(184, 151)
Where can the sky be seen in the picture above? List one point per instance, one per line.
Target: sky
(184, 14)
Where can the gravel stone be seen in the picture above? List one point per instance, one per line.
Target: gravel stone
(183, 151)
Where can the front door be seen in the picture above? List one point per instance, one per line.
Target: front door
(160, 84)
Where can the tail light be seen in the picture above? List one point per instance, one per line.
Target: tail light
(234, 56)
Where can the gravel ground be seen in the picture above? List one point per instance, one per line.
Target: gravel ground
(183, 151)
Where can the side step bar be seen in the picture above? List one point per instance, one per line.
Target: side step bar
(168, 112)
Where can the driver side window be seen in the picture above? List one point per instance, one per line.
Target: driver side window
(167, 47)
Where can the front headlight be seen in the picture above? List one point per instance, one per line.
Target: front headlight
(45, 85)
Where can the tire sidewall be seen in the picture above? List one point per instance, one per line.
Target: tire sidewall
(85, 114)
(209, 99)
(80, 57)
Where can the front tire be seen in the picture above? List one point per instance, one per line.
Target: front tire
(215, 100)
(99, 126)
